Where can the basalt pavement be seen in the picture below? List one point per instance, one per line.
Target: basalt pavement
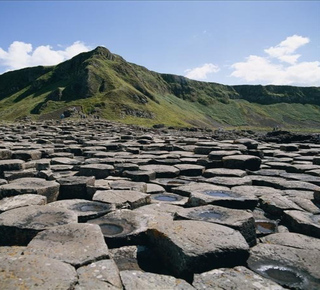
(98, 205)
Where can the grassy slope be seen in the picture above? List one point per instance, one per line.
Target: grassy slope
(107, 83)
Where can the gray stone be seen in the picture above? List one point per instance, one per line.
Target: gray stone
(140, 175)
(288, 266)
(170, 198)
(190, 169)
(5, 154)
(249, 143)
(123, 227)
(35, 272)
(40, 186)
(102, 274)
(75, 244)
(122, 198)
(212, 172)
(219, 154)
(64, 161)
(75, 187)
(242, 162)
(302, 222)
(133, 280)
(229, 181)
(12, 202)
(27, 155)
(84, 209)
(162, 171)
(99, 171)
(191, 187)
(239, 278)
(154, 188)
(19, 226)
(239, 220)
(128, 185)
(11, 164)
(188, 247)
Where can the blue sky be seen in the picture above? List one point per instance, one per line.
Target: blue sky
(229, 42)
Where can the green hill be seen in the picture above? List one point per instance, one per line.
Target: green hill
(99, 83)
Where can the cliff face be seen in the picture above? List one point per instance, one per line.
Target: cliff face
(103, 83)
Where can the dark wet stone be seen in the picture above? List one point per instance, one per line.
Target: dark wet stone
(12, 202)
(98, 275)
(302, 222)
(123, 227)
(75, 187)
(122, 198)
(75, 244)
(242, 162)
(239, 278)
(188, 247)
(133, 279)
(84, 209)
(49, 189)
(239, 220)
(35, 272)
(19, 226)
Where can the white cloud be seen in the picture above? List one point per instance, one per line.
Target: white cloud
(20, 54)
(200, 73)
(289, 71)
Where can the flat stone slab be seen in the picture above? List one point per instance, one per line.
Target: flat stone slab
(75, 187)
(239, 278)
(170, 198)
(191, 187)
(190, 169)
(65, 161)
(11, 164)
(162, 171)
(303, 222)
(128, 185)
(123, 227)
(219, 154)
(212, 172)
(223, 197)
(35, 272)
(275, 204)
(188, 247)
(239, 220)
(99, 171)
(102, 274)
(84, 209)
(12, 202)
(288, 266)
(242, 162)
(122, 198)
(26, 155)
(140, 175)
(75, 244)
(229, 181)
(133, 280)
(19, 226)
(40, 186)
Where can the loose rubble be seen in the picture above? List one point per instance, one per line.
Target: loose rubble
(93, 204)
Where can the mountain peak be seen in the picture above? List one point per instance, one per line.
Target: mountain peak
(104, 52)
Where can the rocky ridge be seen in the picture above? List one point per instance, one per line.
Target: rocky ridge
(99, 205)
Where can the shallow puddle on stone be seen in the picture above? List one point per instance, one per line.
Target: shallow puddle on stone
(283, 275)
(166, 198)
(217, 193)
(265, 227)
(90, 207)
(210, 215)
(111, 229)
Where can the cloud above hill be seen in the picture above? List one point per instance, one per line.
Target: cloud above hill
(21, 54)
(202, 72)
(280, 66)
